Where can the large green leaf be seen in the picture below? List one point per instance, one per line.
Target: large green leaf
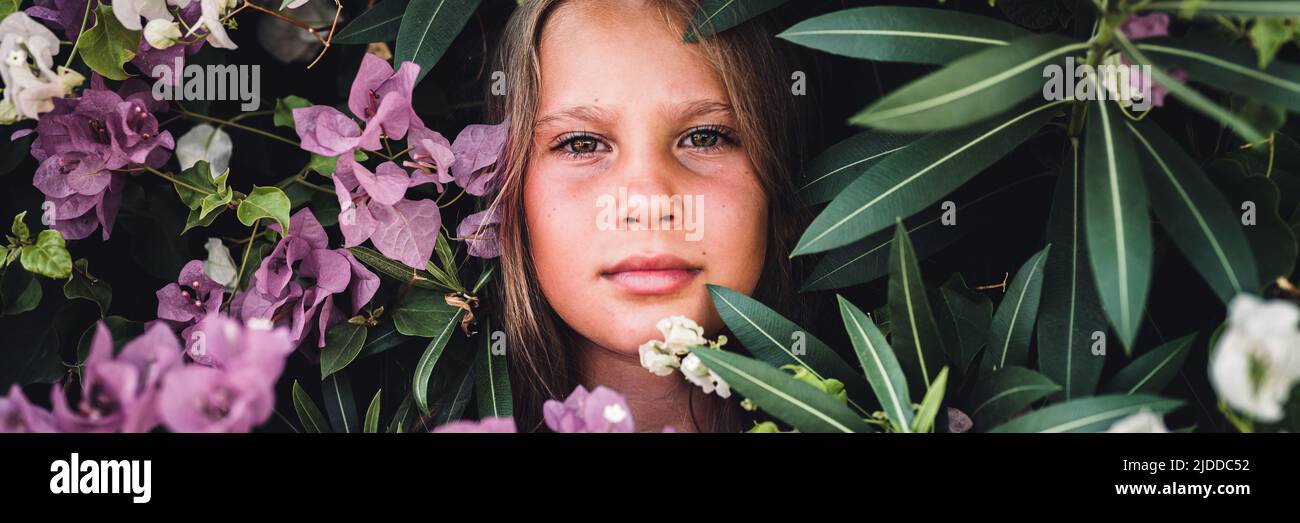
(1188, 95)
(48, 256)
(964, 313)
(427, 30)
(342, 344)
(379, 24)
(394, 269)
(777, 341)
(108, 45)
(424, 313)
(1118, 231)
(372, 413)
(443, 327)
(340, 407)
(308, 413)
(492, 378)
(1013, 323)
(970, 89)
(902, 34)
(716, 16)
(453, 405)
(880, 365)
(1243, 8)
(799, 404)
(1070, 311)
(930, 404)
(916, 338)
(1151, 372)
(1196, 214)
(81, 284)
(265, 202)
(867, 259)
(910, 179)
(1091, 414)
(1005, 392)
(1229, 67)
(1271, 238)
(834, 169)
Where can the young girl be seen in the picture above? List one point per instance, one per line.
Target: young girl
(607, 102)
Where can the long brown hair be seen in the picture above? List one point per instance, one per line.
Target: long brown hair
(754, 76)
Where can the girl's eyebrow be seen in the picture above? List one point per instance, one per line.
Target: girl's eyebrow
(701, 107)
(597, 115)
(584, 113)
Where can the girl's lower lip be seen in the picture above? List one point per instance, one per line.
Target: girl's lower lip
(662, 281)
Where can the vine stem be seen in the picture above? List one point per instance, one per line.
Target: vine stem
(84, 18)
(176, 180)
(243, 263)
(236, 125)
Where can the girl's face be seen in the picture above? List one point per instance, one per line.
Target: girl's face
(627, 110)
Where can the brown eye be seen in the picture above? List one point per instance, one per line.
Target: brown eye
(583, 145)
(704, 139)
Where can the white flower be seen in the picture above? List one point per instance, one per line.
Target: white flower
(161, 34)
(1142, 421)
(30, 83)
(210, 14)
(128, 12)
(697, 373)
(219, 266)
(1257, 359)
(295, 4)
(680, 334)
(656, 359)
(207, 143)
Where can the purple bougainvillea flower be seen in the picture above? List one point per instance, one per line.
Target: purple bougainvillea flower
(387, 185)
(382, 99)
(486, 425)
(431, 157)
(601, 410)
(231, 385)
(480, 233)
(407, 231)
(295, 286)
(477, 149)
(325, 130)
(119, 393)
(66, 14)
(19, 415)
(193, 297)
(1146, 26)
(404, 230)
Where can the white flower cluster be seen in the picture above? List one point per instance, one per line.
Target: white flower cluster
(162, 32)
(1257, 359)
(661, 357)
(30, 81)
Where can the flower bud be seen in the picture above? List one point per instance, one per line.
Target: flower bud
(161, 34)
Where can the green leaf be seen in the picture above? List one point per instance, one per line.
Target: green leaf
(8, 7)
(1118, 231)
(777, 341)
(792, 401)
(1196, 214)
(968, 314)
(1007, 391)
(82, 285)
(453, 406)
(1271, 238)
(49, 256)
(382, 338)
(833, 170)
(924, 421)
(379, 24)
(342, 344)
(1268, 35)
(284, 107)
(372, 414)
(716, 16)
(120, 329)
(970, 89)
(902, 34)
(1189, 96)
(1091, 414)
(197, 183)
(1229, 67)
(1151, 372)
(107, 45)
(492, 379)
(393, 269)
(339, 404)
(20, 291)
(424, 313)
(1210, 8)
(916, 337)
(308, 413)
(265, 202)
(1070, 309)
(19, 227)
(880, 365)
(443, 328)
(917, 176)
(1013, 323)
(427, 30)
(401, 418)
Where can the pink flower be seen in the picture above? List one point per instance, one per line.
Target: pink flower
(486, 425)
(601, 410)
(1138, 26)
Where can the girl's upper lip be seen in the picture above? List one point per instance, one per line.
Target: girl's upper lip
(656, 262)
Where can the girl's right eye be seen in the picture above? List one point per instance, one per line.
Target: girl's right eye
(579, 145)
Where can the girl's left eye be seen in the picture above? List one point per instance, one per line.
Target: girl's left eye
(708, 138)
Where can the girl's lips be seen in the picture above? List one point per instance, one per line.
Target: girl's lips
(654, 281)
(651, 274)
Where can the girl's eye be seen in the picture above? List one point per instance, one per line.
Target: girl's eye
(579, 145)
(708, 138)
